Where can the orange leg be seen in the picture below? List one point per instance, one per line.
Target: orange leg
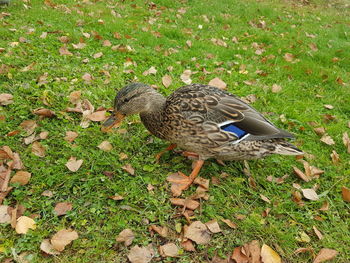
(169, 148)
(190, 154)
(181, 182)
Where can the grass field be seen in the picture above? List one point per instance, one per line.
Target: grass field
(301, 48)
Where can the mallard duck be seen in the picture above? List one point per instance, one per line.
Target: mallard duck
(204, 121)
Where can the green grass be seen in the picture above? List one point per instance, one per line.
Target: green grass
(98, 219)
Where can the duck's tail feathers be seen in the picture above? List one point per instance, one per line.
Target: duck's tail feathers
(287, 148)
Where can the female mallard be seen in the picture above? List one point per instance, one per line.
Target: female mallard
(204, 120)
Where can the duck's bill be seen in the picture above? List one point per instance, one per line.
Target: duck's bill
(112, 122)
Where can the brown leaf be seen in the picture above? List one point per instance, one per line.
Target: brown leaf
(317, 232)
(43, 135)
(151, 71)
(126, 236)
(310, 194)
(162, 231)
(276, 88)
(73, 164)
(64, 51)
(320, 131)
(166, 80)
(288, 57)
(254, 251)
(116, 197)
(97, 116)
(105, 146)
(70, 136)
(264, 198)
(217, 82)
(47, 193)
(300, 174)
(5, 99)
(197, 232)
(238, 256)
(346, 140)
(23, 225)
(202, 182)
(21, 177)
(188, 245)
(345, 193)
(179, 182)
(229, 223)
(62, 208)
(303, 250)
(186, 203)
(44, 112)
(325, 206)
(128, 168)
(87, 78)
(62, 238)
(313, 46)
(38, 149)
(5, 217)
(169, 250)
(47, 247)
(325, 254)
(327, 139)
(80, 45)
(98, 55)
(29, 126)
(335, 157)
(268, 255)
(141, 254)
(213, 226)
(63, 39)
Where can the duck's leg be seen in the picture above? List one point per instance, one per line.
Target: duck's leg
(190, 154)
(169, 148)
(181, 182)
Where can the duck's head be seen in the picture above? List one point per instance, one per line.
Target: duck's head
(132, 99)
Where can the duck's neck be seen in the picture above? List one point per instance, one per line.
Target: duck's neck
(152, 118)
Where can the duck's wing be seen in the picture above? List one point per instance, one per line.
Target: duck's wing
(214, 107)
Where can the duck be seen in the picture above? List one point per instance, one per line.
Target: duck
(204, 121)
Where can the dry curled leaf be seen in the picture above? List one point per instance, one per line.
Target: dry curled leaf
(268, 255)
(169, 250)
(128, 168)
(188, 245)
(6, 99)
(162, 231)
(23, 225)
(62, 238)
(38, 149)
(325, 254)
(229, 223)
(44, 113)
(213, 226)
(310, 194)
(64, 51)
(62, 208)
(70, 136)
(317, 232)
(5, 217)
(105, 146)
(21, 177)
(73, 164)
(239, 256)
(197, 232)
(141, 254)
(179, 182)
(327, 139)
(166, 80)
(217, 82)
(47, 247)
(151, 71)
(186, 77)
(126, 236)
(186, 203)
(97, 116)
(276, 88)
(345, 193)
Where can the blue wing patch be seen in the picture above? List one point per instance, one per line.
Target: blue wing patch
(233, 129)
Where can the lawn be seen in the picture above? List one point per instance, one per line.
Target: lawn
(290, 59)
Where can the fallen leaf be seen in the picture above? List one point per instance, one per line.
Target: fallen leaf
(38, 149)
(166, 80)
(310, 194)
(217, 82)
(62, 238)
(303, 250)
(198, 233)
(254, 251)
(162, 231)
(47, 193)
(24, 223)
(62, 208)
(238, 256)
(5, 217)
(73, 164)
(268, 255)
(105, 146)
(188, 245)
(186, 77)
(325, 254)
(74, 97)
(70, 136)
(63, 39)
(345, 193)
(276, 88)
(169, 250)
(317, 232)
(320, 131)
(213, 226)
(151, 71)
(179, 182)
(186, 203)
(335, 157)
(126, 236)
(29, 126)
(97, 116)
(327, 139)
(47, 247)
(346, 140)
(288, 57)
(313, 46)
(229, 223)
(98, 55)
(5, 99)
(44, 112)
(128, 168)
(116, 197)
(325, 206)
(202, 182)
(87, 78)
(328, 106)
(43, 135)
(141, 254)
(21, 177)
(264, 198)
(64, 51)
(80, 45)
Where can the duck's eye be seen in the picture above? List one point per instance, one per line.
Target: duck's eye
(126, 100)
